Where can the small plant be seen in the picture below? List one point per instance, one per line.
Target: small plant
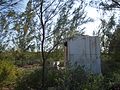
(8, 73)
(53, 77)
(59, 79)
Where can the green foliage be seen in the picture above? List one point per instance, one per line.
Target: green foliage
(33, 80)
(57, 55)
(75, 78)
(72, 79)
(105, 32)
(114, 47)
(21, 58)
(8, 73)
(60, 79)
(94, 82)
(6, 55)
(111, 72)
(53, 78)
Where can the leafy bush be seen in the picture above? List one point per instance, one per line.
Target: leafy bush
(8, 73)
(6, 56)
(93, 82)
(27, 82)
(69, 79)
(60, 79)
(75, 78)
(53, 78)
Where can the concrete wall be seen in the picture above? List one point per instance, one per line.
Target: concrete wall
(85, 51)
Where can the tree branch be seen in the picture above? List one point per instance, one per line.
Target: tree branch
(116, 2)
(5, 5)
(48, 6)
(55, 45)
(42, 44)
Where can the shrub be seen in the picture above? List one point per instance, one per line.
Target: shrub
(53, 78)
(69, 79)
(75, 78)
(6, 56)
(8, 73)
(60, 79)
(93, 82)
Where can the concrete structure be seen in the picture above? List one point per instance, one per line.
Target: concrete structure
(84, 51)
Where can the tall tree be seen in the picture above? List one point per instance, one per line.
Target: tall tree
(50, 22)
(6, 31)
(114, 46)
(18, 29)
(105, 32)
(25, 27)
(109, 8)
(56, 18)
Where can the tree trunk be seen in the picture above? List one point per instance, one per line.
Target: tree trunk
(42, 46)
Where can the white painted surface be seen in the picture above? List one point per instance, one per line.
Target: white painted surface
(85, 51)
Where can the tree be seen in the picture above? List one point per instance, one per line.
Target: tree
(6, 20)
(49, 22)
(110, 4)
(18, 29)
(5, 4)
(106, 4)
(114, 47)
(110, 30)
(25, 27)
(105, 32)
(68, 18)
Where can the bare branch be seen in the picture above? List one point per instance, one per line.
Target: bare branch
(50, 15)
(60, 7)
(8, 5)
(116, 2)
(56, 44)
(48, 6)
